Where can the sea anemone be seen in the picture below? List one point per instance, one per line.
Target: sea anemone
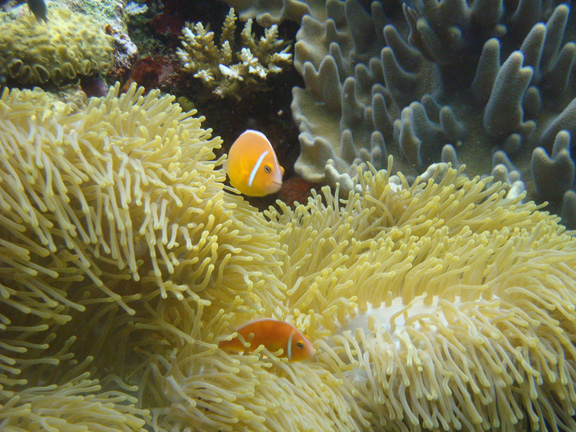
(444, 304)
(440, 304)
(107, 210)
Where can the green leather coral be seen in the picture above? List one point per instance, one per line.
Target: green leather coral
(67, 47)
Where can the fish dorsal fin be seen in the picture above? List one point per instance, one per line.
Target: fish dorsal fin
(259, 134)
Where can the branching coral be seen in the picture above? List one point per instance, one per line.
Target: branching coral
(231, 70)
(57, 53)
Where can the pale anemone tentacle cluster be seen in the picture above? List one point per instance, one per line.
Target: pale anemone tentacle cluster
(234, 67)
(107, 210)
(438, 304)
(444, 304)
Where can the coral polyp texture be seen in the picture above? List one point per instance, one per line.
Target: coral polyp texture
(437, 304)
(431, 81)
(53, 53)
(234, 67)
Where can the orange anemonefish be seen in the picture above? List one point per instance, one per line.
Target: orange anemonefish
(274, 335)
(252, 165)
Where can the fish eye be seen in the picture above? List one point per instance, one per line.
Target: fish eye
(300, 344)
(266, 168)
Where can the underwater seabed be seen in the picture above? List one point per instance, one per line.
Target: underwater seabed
(436, 298)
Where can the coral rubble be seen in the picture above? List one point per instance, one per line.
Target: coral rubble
(234, 67)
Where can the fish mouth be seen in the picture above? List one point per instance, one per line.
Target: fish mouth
(276, 186)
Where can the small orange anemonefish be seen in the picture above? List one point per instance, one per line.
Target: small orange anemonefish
(252, 165)
(274, 335)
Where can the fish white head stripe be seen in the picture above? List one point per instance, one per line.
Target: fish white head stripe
(257, 167)
(269, 145)
(289, 347)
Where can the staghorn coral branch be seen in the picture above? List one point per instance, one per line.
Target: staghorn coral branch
(234, 67)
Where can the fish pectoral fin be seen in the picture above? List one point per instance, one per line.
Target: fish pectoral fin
(232, 345)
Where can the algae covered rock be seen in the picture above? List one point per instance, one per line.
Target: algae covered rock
(57, 52)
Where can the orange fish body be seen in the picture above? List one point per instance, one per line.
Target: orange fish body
(252, 165)
(274, 335)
